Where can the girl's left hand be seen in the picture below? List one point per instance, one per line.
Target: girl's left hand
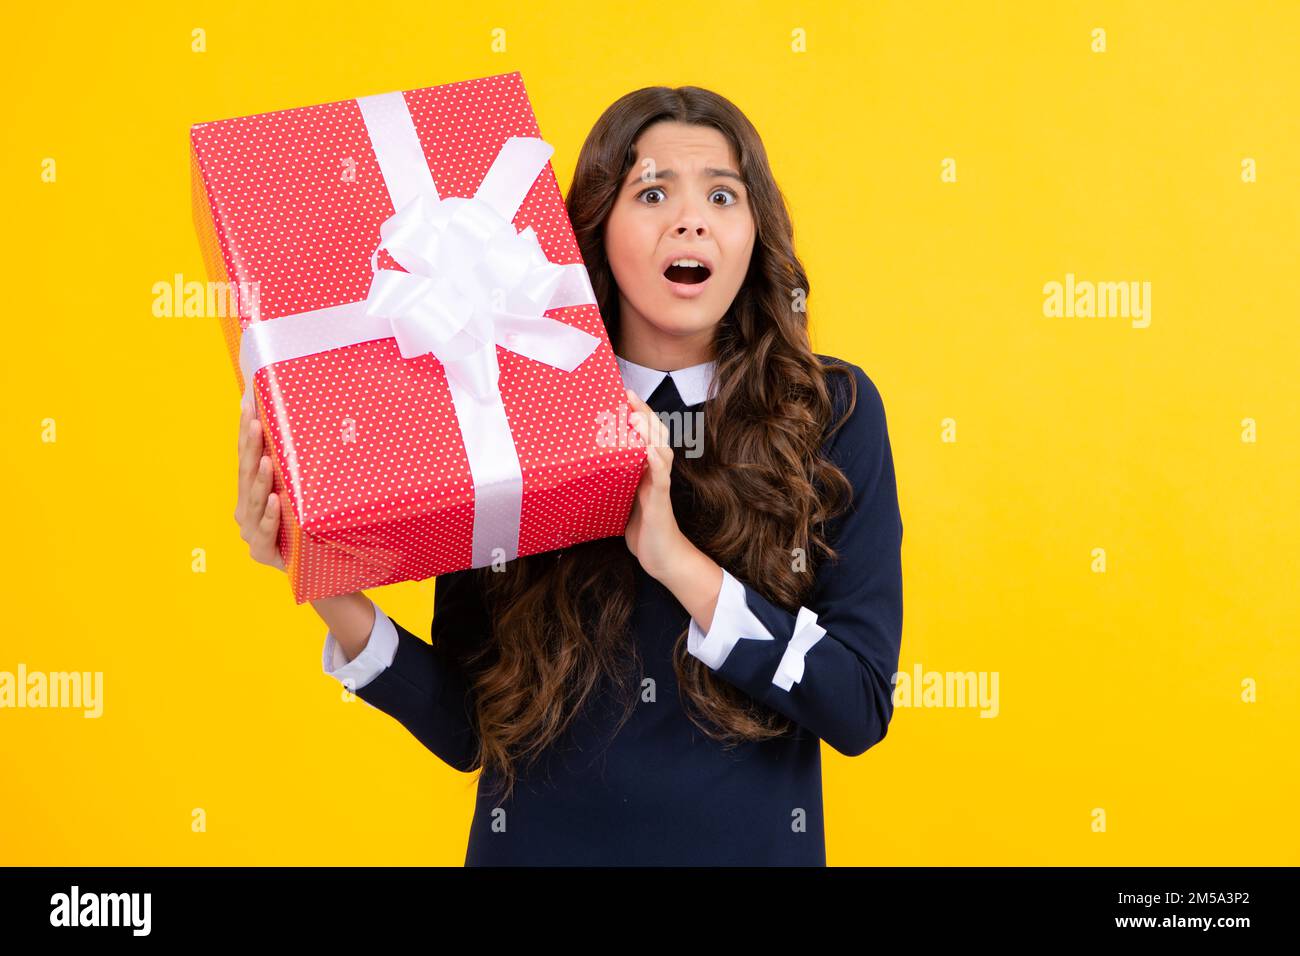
(652, 533)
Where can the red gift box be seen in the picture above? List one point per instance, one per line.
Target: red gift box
(448, 401)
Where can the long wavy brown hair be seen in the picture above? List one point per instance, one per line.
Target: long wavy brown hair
(759, 489)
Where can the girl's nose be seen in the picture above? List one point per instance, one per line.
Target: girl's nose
(691, 218)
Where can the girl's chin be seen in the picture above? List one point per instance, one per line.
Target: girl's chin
(677, 322)
(680, 316)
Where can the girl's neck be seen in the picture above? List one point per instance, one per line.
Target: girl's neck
(645, 345)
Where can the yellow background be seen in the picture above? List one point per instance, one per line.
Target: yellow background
(1119, 691)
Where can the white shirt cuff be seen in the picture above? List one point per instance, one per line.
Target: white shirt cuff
(732, 620)
(374, 658)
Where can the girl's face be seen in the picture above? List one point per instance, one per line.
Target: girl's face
(682, 199)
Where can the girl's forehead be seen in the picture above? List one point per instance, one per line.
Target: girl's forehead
(668, 165)
(702, 144)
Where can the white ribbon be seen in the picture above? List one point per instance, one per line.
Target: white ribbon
(807, 632)
(472, 283)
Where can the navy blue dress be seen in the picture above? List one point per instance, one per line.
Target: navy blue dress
(659, 791)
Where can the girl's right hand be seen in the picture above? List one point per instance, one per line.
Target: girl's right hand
(350, 617)
(257, 510)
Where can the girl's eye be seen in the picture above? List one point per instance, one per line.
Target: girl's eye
(721, 190)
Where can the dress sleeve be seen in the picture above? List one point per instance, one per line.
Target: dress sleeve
(425, 688)
(830, 666)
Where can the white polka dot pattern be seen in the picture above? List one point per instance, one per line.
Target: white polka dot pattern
(369, 461)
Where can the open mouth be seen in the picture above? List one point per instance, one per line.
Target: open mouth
(687, 275)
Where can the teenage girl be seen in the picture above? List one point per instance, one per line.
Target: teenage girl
(661, 697)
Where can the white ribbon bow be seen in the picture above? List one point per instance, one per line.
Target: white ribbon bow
(807, 632)
(473, 282)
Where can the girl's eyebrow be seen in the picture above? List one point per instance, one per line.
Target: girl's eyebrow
(709, 173)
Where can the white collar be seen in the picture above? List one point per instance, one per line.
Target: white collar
(692, 383)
